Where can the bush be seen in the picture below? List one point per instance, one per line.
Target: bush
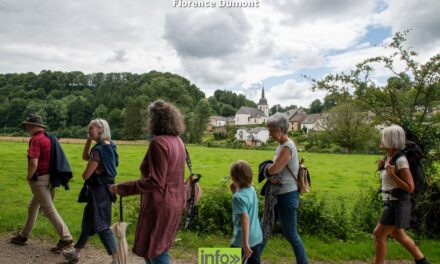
(316, 218)
(220, 135)
(426, 211)
(367, 209)
(215, 212)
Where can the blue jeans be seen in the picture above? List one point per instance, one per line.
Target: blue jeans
(163, 258)
(106, 237)
(287, 207)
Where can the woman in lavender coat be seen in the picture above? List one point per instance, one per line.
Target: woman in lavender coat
(161, 186)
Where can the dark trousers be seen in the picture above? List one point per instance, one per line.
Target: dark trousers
(255, 257)
(106, 237)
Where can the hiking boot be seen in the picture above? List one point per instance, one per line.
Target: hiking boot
(19, 240)
(423, 261)
(62, 244)
(71, 255)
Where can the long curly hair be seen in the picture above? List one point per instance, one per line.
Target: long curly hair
(164, 119)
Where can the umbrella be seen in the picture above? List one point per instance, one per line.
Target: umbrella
(119, 232)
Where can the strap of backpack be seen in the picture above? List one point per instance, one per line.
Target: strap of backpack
(396, 156)
(188, 161)
(296, 179)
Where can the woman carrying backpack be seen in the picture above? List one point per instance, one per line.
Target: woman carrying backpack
(397, 186)
(286, 188)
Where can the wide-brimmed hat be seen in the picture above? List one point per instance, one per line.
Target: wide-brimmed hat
(34, 120)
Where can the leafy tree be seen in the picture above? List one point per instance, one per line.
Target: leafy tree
(16, 112)
(316, 107)
(56, 114)
(100, 112)
(79, 112)
(227, 110)
(116, 118)
(135, 118)
(407, 99)
(348, 127)
(200, 121)
(278, 108)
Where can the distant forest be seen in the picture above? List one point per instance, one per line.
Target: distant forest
(67, 101)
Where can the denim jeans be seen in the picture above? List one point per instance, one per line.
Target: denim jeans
(287, 207)
(106, 237)
(163, 258)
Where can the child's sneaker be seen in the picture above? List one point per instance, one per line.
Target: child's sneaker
(71, 255)
(61, 245)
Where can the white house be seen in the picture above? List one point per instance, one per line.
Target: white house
(312, 123)
(251, 116)
(253, 136)
(217, 121)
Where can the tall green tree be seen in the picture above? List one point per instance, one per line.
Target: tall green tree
(79, 112)
(315, 107)
(135, 118)
(100, 112)
(408, 97)
(200, 121)
(348, 127)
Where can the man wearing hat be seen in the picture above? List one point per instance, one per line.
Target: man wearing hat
(39, 181)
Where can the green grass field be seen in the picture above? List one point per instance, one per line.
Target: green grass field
(335, 177)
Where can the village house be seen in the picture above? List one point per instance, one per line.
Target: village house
(296, 117)
(312, 123)
(253, 136)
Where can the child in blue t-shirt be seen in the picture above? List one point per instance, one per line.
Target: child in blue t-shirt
(247, 230)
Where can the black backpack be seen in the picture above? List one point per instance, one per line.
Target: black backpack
(413, 154)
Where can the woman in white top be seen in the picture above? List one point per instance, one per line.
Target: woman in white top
(397, 184)
(285, 164)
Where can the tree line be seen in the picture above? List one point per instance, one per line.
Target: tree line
(67, 101)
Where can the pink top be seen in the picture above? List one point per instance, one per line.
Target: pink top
(162, 195)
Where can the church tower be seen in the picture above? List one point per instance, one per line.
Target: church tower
(262, 104)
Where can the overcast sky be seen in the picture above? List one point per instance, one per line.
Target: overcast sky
(229, 48)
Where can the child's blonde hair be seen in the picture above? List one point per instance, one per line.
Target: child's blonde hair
(241, 173)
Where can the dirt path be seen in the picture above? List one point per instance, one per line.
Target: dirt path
(37, 252)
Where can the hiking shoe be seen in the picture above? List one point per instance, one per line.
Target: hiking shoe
(62, 244)
(71, 255)
(423, 261)
(19, 240)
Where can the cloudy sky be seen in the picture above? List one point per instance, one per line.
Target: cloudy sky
(229, 48)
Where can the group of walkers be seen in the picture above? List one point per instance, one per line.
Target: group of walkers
(162, 197)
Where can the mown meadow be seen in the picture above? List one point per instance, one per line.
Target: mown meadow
(336, 179)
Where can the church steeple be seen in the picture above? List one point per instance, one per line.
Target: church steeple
(263, 100)
(262, 104)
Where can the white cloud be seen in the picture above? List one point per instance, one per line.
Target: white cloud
(421, 17)
(292, 92)
(215, 33)
(215, 48)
